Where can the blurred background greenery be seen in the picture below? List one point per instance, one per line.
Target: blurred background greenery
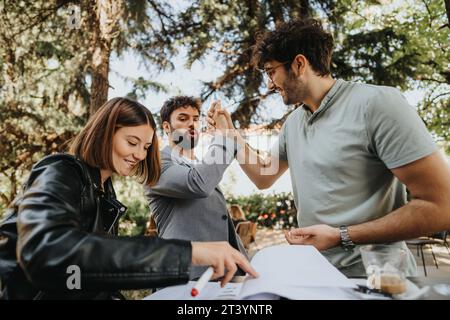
(275, 210)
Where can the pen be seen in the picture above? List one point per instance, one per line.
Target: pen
(205, 277)
(367, 290)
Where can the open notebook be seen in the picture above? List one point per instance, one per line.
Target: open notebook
(290, 271)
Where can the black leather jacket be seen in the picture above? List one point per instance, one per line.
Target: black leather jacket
(62, 219)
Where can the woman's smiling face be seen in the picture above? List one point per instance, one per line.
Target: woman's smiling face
(130, 145)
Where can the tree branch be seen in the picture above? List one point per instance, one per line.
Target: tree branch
(440, 95)
(430, 21)
(160, 12)
(447, 9)
(41, 18)
(432, 80)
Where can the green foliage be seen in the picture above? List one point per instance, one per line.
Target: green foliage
(226, 30)
(47, 67)
(42, 88)
(136, 294)
(142, 86)
(273, 211)
(395, 43)
(402, 44)
(134, 221)
(436, 115)
(2, 210)
(131, 194)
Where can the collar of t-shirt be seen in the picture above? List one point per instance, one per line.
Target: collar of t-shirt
(189, 160)
(326, 103)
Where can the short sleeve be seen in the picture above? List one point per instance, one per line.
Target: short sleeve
(395, 131)
(279, 147)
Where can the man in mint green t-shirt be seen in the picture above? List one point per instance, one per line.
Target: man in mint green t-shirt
(352, 150)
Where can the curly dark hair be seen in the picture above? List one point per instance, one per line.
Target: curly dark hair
(177, 102)
(305, 36)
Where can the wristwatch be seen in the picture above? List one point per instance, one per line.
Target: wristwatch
(346, 243)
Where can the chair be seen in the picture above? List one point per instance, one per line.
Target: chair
(151, 230)
(253, 232)
(244, 230)
(439, 238)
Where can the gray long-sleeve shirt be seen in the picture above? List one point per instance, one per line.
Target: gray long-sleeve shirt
(187, 202)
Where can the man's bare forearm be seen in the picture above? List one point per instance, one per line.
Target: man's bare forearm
(428, 180)
(415, 219)
(262, 171)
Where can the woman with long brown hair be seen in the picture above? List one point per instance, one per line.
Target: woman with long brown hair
(59, 239)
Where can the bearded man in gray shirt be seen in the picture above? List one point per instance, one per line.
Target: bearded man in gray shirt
(187, 202)
(352, 150)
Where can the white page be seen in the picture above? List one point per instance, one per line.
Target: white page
(299, 293)
(293, 265)
(290, 271)
(212, 290)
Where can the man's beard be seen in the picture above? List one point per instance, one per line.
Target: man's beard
(295, 91)
(182, 138)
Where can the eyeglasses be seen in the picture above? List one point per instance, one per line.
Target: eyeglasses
(268, 72)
